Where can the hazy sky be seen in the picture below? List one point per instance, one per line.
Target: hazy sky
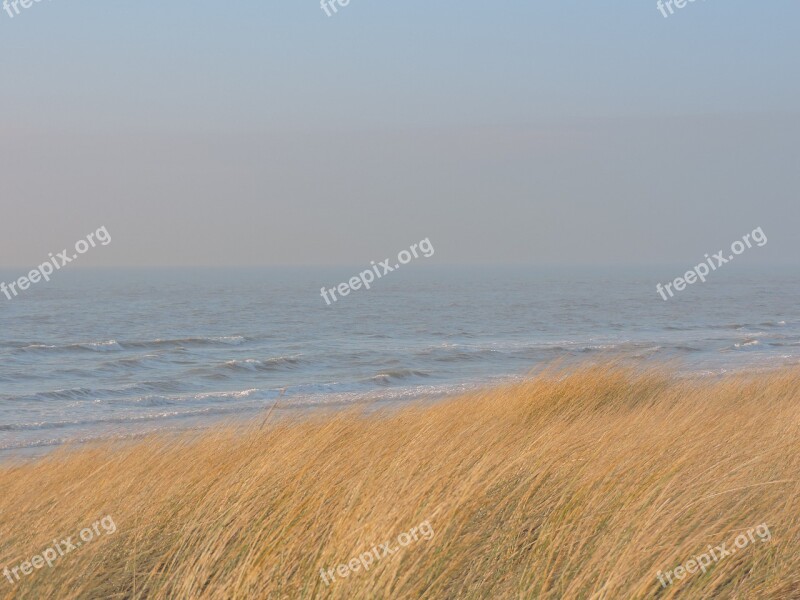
(260, 133)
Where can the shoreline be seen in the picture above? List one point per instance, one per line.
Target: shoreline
(299, 406)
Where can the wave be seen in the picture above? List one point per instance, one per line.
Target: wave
(389, 377)
(228, 340)
(533, 351)
(455, 352)
(96, 394)
(116, 346)
(230, 369)
(146, 361)
(747, 344)
(725, 326)
(269, 364)
(103, 346)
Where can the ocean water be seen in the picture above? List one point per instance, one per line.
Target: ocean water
(106, 353)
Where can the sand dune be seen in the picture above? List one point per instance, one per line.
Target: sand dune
(578, 484)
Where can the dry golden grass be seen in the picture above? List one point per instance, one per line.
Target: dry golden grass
(579, 484)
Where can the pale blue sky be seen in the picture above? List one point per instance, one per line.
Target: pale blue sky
(267, 133)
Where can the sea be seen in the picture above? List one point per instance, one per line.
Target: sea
(99, 354)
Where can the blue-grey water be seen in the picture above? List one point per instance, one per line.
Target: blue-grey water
(102, 353)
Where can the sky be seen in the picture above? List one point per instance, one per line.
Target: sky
(259, 133)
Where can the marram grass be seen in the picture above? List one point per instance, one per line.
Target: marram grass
(575, 484)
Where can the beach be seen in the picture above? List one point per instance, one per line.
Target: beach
(445, 434)
(416, 301)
